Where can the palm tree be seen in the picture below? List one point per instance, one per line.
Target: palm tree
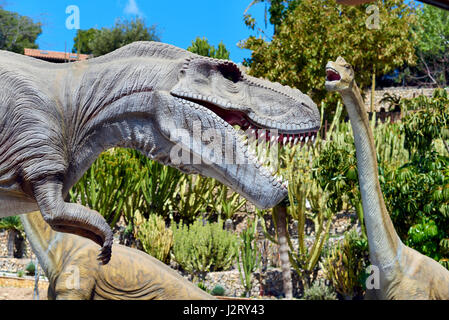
(15, 235)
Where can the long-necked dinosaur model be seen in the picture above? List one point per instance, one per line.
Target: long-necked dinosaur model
(69, 264)
(55, 119)
(404, 272)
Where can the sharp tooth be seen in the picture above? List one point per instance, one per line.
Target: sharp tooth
(285, 140)
(296, 140)
(302, 138)
(307, 139)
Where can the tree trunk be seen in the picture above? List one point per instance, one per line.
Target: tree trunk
(19, 246)
(373, 89)
(11, 239)
(280, 215)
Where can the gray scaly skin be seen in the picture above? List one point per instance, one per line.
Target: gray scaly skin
(55, 119)
(69, 264)
(404, 272)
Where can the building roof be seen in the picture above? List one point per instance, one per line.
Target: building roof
(55, 56)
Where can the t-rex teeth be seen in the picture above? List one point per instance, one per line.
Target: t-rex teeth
(285, 140)
(296, 140)
(307, 139)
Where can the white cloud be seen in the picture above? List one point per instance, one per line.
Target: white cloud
(133, 9)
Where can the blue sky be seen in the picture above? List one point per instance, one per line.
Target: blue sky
(178, 22)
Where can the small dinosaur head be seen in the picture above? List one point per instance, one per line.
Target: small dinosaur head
(339, 75)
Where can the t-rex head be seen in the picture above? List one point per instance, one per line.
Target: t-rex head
(339, 75)
(217, 95)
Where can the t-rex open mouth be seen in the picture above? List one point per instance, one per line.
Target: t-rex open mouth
(241, 119)
(332, 75)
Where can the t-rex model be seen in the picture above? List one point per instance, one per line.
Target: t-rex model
(404, 272)
(69, 263)
(55, 119)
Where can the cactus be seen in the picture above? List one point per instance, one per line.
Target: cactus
(193, 196)
(156, 239)
(249, 257)
(203, 247)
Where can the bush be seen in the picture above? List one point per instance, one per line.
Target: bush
(345, 265)
(417, 193)
(203, 247)
(30, 269)
(218, 290)
(319, 291)
(156, 239)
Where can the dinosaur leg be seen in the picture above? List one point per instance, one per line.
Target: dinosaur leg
(73, 218)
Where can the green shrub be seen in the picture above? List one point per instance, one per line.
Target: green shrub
(319, 291)
(156, 239)
(218, 290)
(30, 269)
(203, 247)
(345, 265)
(417, 193)
(20, 273)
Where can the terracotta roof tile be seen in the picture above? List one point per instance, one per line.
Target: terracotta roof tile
(54, 55)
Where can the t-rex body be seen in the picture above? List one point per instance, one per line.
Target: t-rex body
(55, 119)
(404, 272)
(69, 263)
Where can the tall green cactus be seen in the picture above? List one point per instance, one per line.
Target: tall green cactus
(249, 257)
(156, 238)
(203, 247)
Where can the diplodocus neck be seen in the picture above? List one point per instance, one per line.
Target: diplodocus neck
(42, 239)
(382, 237)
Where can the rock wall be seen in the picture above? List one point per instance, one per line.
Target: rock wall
(403, 92)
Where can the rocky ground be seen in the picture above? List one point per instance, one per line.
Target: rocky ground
(268, 284)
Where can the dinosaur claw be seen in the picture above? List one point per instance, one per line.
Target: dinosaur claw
(105, 254)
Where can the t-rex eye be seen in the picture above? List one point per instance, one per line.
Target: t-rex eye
(230, 71)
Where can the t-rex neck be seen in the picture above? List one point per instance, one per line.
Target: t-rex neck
(114, 115)
(384, 242)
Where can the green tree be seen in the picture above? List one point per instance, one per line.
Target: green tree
(317, 31)
(14, 228)
(432, 46)
(124, 32)
(278, 10)
(83, 40)
(17, 32)
(203, 48)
